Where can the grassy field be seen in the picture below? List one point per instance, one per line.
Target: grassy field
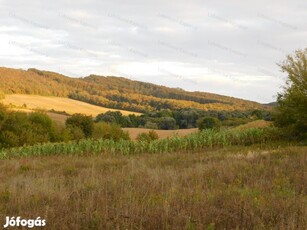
(57, 103)
(134, 132)
(253, 187)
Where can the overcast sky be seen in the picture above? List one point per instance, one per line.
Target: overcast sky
(224, 47)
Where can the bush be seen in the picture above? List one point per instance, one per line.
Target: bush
(151, 125)
(114, 117)
(257, 114)
(72, 133)
(167, 123)
(44, 125)
(209, 123)
(148, 137)
(84, 122)
(19, 128)
(103, 130)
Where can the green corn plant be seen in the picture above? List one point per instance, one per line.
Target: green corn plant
(195, 141)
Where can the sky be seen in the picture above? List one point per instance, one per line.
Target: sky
(225, 47)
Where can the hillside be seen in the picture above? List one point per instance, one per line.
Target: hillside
(66, 105)
(115, 92)
(272, 104)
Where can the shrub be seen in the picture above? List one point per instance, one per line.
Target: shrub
(73, 133)
(19, 128)
(257, 114)
(167, 123)
(209, 123)
(104, 130)
(148, 137)
(114, 117)
(84, 122)
(151, 125)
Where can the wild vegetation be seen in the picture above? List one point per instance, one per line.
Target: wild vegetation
(148, 137)
(19, 128)
(26, 129)
(209, 123)
(254, 187)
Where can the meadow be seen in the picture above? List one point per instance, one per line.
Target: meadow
(236, 187)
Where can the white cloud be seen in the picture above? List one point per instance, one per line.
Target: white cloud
(217, 46)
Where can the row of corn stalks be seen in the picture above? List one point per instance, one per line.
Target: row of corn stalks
(196, 141)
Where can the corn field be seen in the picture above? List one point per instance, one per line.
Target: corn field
(205, 139)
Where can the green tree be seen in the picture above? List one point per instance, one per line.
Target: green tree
(103, 130)
(114, 117)
(291, 111)
(209, 123)
(257, 114)
(84, 122)
(151, 125)
(72, 133)
(43, 127)
(167, 123)
(19, 128)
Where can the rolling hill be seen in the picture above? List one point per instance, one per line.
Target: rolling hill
(115, 92)
(59, 104)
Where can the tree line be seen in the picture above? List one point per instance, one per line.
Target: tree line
(115, 92)
(181, 119)
(20, 128)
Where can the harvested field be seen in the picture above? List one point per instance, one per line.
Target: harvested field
(58, 104)
(134, 132)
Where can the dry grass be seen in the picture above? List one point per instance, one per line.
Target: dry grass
(58, 118)
(134, 132)
(57, 103)
(239, 187)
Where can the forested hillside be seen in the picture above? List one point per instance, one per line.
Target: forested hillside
(115, 92)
